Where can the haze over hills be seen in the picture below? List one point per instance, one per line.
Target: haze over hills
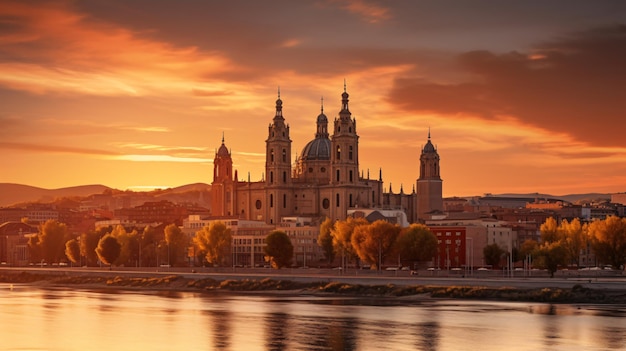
(11, 193)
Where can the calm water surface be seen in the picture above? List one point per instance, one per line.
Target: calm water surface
(35, 319)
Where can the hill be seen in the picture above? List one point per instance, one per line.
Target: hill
(573, 198)
(16, 193)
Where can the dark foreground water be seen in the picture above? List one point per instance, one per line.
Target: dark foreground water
(35, 319)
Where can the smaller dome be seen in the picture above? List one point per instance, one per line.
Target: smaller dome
(223, 151)
(429, 148)
(317, 149)
(322, 118)
(345, 95)
(279, 102)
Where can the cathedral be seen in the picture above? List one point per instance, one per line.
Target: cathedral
(324, 181)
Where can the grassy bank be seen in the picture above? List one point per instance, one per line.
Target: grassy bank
(577, 294)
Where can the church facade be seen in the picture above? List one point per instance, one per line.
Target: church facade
(324, 181)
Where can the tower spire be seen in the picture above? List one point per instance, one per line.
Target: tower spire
(222, 137)
(322, 103)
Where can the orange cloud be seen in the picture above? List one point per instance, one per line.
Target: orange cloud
(56, 49)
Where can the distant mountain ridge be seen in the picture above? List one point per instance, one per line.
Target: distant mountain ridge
(11, 193)
(569, 197)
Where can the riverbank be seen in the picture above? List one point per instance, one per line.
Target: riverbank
(267, 285)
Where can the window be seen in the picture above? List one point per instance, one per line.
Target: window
(323, 169)
(338, 153)
(271, 177)
(284, 200)
(310, 169)
(350, 176)
(337, 200)
(350, 153)
(448, 233)
(284, 155)
(271, 155)
(350, 200)
(257, 204)
(325, 204)
(284, 177)
(271, 200)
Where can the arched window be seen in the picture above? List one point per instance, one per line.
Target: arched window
(338, 175)
(271, 177)
(284, 200)
(284, 177)
(350, 153)
(284, 155)
(350, 200)
(350, 176)
(271, 155)
(338, 152)
(337, 200)
(271, 200)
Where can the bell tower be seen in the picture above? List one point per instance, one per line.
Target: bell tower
(222, 188)
(344, 158)
(429, 184)
(277, 165)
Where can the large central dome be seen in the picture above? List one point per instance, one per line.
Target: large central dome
(317, 149)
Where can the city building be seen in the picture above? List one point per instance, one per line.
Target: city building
(324, 181)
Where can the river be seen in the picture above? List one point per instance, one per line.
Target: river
(60, 319)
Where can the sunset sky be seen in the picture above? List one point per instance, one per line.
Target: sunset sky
(525, 96)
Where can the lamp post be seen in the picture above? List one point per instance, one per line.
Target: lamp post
(469, 258)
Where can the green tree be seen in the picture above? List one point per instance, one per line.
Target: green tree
(52, 238)
(416, 243)
(325, 240)
(177, 243)
(72, 251)
(550, 256)
(493, 254)
(216, 240)
(278, 249)
(373, 243)
(608, 240)
(342, 236)
(108, 249)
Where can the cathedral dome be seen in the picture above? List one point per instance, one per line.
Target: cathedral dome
(317, 149)
(223, 151)
(429, 148)
(322, 118)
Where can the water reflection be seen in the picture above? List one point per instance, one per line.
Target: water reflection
(83, 320)
(276, 331)
(428, 336)
(220, 321)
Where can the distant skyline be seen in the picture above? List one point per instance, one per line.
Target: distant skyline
(520, 97)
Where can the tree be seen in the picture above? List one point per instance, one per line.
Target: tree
(416, 243)
(342, 236)
(72, 251)
(325, 240)
(528, 248)
(88, 244)
(148, 247)
(608, 240)
(108, 249)
(574, 238)
(216, 240)
(551, 255)
(374, 242)
(124, 239)
(550, 231)
(493, 254)
(52, 238)
(34, 249)
(278, 249)
(177, 243)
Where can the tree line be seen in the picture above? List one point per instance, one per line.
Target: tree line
(354, 240)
